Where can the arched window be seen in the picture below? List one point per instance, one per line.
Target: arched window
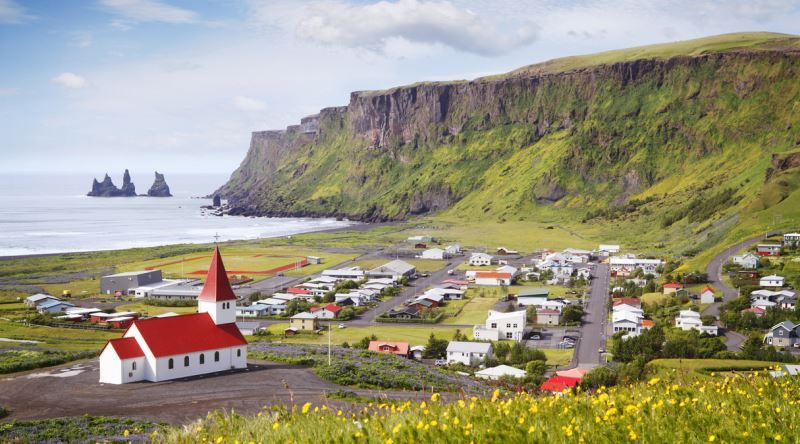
(202, 358)
(216, 356)
(185, 361)
(239, 352)
(133, 365)
(171, 363)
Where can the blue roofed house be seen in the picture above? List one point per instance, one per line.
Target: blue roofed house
(55, 306)
(39, 298)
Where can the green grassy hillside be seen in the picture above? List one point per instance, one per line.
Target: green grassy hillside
(665, 147)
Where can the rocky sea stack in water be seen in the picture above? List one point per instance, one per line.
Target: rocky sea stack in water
(159, 188)
(106, 188)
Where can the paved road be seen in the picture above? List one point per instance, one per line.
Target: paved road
(714, 271)
(73, 390)
(593, 331)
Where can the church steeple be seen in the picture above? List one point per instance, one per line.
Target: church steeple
(217, 297)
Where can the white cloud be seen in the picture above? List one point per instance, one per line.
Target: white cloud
(148, 11)
(12, 13)
(244, 103)
(70, 80)
(374, 26)
(5, 92)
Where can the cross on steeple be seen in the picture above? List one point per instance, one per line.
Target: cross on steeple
(216, 238)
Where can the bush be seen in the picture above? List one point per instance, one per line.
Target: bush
(599, 377)
(435, 348)
(156, 302)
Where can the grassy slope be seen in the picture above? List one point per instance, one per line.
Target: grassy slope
(668, 136)
(683, 408)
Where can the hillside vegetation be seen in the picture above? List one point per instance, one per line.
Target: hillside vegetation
(681, 145)
(734, 408)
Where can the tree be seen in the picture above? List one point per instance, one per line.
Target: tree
(458, 336)
(364, 342)
(436, 348)
(571, 314)
(599, 377)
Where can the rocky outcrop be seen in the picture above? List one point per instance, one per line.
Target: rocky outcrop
(160, 187)
(106, 188)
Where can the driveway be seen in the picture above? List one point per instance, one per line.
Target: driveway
(593, 331)
(73, 390)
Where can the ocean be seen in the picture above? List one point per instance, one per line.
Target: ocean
(46, 213)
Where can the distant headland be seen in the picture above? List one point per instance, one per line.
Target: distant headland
(106, 188)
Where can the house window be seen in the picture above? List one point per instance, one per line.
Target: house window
(216, 356)
(202, 358)
(508, 325)
(239, 353)
(494, 324)
(133, 365)
(171, 363)
(185, 361)
(515, 325)
(509, 335)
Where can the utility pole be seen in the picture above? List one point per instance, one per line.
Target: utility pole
(329, 344)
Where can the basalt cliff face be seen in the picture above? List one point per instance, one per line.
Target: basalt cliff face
(581, 136)
(106, 188)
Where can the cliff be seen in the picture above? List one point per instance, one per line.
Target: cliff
(159, 187)
(106, 188)
(627, 134)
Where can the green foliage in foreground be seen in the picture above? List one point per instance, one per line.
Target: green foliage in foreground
(752, 408)
(78, 429)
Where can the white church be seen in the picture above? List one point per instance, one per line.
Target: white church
(158, 349)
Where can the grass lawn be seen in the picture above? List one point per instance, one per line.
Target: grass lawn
(706, 365)
(453, 308)
(651, 298)
(52, 338)
(15, 306)
(414, 335)
(423, 265)
(475, 309)
(78, 289)
(154, 310)
(559, 357)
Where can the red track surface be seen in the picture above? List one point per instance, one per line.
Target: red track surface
(301, 263)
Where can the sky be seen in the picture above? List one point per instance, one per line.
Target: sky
(177, 86)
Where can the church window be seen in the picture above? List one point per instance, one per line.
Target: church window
(216, 356)
(133, 365)
(185, 361)
(202, 358)
(239, 352)
(171, 363)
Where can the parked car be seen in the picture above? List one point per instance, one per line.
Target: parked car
(536, 336)
(450, 272)
(566, 344)
(342, 326)
(440, 362)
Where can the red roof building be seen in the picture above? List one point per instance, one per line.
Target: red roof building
(297, 290)
(394, 348)
(557, 384)
(492, 275)
(326, 311)
(634, 302)
(158, 349)
(673, 285)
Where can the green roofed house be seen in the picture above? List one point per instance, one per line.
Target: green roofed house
(532, 296)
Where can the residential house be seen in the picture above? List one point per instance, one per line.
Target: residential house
(416, 352)
(345, 274)
(392, 348)
(584, 273)
(690, 320)
(414, 239)
(748, 260)
(53, 306)
(493, 278)
(784, 334)
(508, 269)
(532, 296)
(500, 325)
(480, 259)
(423, 304)
(468, 353)
(608, 248)
(248, 328)
(304, 321)
(671, 288)
(629, 319)
(791, 239)
(434, 253)
(253, 311)
(768, 249)
(624, 266)
(436, 298)
(503, 251)
(274, 306)
(330, 311)
(707, 295)
(757, 311)
(404, 313)
(786, 370)
(784, 299)
(495, 373)
(548, 316)
(448, 293)
(773, 281)
(453, 250)
(38, 298)
(395, 269)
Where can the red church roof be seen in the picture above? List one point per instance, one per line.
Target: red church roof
(217, 287)
(558, 384)
(177, 335)
(125, 347)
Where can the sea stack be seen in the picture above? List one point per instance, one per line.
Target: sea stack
(106, 188)
(159, 188)
(217, 202)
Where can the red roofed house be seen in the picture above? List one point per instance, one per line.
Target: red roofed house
(394, 348)
(707, 295)
(298, 290)
(633, 302)
(330, 311)
(757, 311)
(672, 288)
(558, 384)
(158, 349)
(492, 278)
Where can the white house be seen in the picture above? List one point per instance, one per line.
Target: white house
(690, 320)
(53, 306)
(448, 293)
(468, 353)
(330, 311)
(791, 238)
(707, 295)
(500, 325)
(608, 248)
(623, 266)
(748, 260)
(395, 269)
(493, 278)
(495, 373)
(349, 273)
(453, 250)
(773, 281)
(39, 298)
(508, 269)
(434, 253)
(480, 259)
(159, 349)
(629, 319)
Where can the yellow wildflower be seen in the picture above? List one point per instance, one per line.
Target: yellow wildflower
(306, 406)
